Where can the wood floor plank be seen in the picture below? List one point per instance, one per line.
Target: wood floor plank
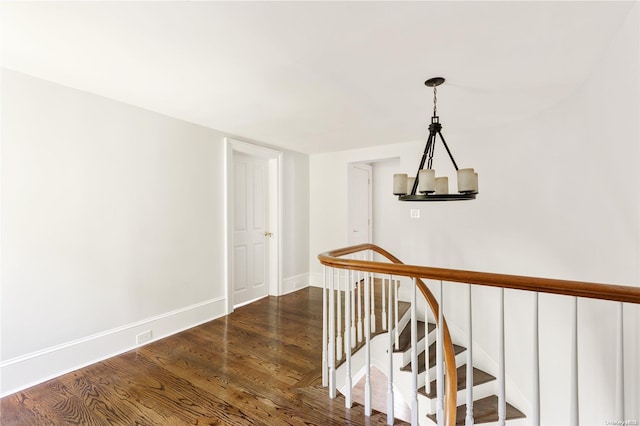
(24, 410)
(258, 366)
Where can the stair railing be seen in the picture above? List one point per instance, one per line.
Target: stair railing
(335, 259)
(363, 266)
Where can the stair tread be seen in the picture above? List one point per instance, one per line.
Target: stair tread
(404, 340)
(432, 357)
(479, 377)
(485, 410)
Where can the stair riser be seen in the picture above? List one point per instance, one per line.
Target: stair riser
(461, 359)
(479, 392)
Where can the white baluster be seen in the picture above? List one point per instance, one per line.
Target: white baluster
(359, 284)
(332, 337)
(427, 380)
(469, 416)
(574, 417)
(535, 415)
(373, 304)
(339, 320)
(390, 399)
(367, 353)
(325, 364)
(352, 289)
(384, 305)
(348, 276)
(414, 355)
(396, 284)
(373, 296)
(620, 366)
(439, 361)
(502, 403)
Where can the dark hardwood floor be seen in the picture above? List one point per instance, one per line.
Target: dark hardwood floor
(260, 365)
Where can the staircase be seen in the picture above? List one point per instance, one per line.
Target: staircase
(341, 265)
(485, 406)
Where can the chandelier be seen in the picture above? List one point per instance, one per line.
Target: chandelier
(425, 186)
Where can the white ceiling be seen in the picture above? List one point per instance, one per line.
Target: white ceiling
(316, 76)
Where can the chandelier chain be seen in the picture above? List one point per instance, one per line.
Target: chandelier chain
(435, 100)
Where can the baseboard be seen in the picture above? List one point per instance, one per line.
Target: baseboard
(31, 369)
(295, 283)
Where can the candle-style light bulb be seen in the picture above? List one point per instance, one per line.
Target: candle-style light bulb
(442, 185)
(466, 180)
(426, 181)
(400, 184)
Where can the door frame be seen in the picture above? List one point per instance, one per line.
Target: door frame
(274, 207)
(368, 167)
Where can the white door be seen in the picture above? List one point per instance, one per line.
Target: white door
(250, 244)
(360, 202)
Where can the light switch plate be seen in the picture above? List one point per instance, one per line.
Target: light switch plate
(414, 213)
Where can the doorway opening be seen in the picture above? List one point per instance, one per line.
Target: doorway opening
(360, 208)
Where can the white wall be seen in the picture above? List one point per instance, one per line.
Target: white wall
(559, 197)
(112, 224)
(295, 219)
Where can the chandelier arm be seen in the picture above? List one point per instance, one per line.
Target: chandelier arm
(430, 142)
(448, 151)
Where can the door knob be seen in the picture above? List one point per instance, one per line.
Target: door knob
(268, 234)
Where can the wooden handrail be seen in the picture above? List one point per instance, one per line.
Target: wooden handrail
(451, 379)
(619, 293)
